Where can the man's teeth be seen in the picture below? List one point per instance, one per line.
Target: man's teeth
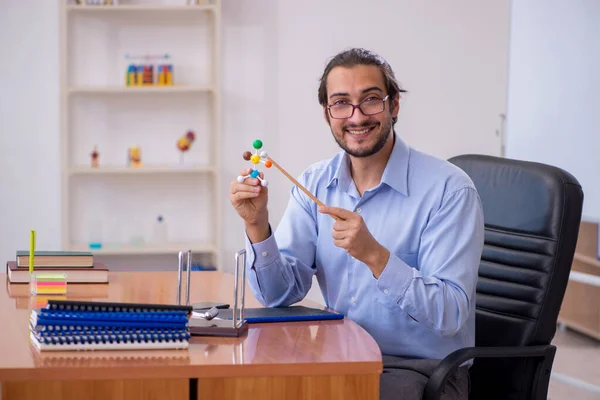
(359, 132)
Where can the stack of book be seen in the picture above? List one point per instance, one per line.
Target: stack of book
(79, 266)
(87, 325)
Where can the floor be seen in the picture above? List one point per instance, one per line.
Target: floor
(576, 369)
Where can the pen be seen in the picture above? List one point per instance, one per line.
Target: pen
(31, 250)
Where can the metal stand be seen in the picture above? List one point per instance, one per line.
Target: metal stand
(179, 271)
(218, 327)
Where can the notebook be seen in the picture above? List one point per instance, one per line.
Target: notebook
(100, 343)
(90, 325)
(283, 314)
(81, 305)
(160, 320)
(55, 259)
(98, 273)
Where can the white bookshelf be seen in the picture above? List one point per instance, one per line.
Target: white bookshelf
(180, 6)
(115, 202)
(146, 170)
(119, 90)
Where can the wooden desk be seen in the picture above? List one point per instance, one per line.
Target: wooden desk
(300, 360)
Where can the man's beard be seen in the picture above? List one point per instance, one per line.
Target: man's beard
(365, 152)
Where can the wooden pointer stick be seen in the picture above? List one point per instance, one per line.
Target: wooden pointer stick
(295, 182)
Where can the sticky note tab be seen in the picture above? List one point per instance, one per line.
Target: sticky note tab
(48, 283)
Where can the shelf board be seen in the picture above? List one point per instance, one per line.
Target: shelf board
(144, 170)
(153, 89)
(578, 326)
(144, 7)
(169, 248)
(591, 261)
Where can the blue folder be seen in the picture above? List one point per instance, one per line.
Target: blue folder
(283, 314)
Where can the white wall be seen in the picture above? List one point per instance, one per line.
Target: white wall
(29, 118)
(451, 56)
(554, 80)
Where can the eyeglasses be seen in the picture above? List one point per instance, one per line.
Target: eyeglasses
(370, 106)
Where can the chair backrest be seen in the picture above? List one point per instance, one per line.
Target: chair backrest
(532, 215)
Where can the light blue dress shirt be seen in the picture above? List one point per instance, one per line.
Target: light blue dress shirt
(425, 211)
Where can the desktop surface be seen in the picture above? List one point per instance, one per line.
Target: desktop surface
(271, 349)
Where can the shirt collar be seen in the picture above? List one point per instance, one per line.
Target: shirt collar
(395, 174)
(342, 176)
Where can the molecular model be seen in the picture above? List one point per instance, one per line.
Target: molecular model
(184, 143)
(255, 159)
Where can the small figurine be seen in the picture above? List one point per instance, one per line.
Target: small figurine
(134, 157)
(95, 156)
(131, 76)
(165, 74)
(255, 159)
(184, 143)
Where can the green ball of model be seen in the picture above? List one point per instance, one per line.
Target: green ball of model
(257, 144)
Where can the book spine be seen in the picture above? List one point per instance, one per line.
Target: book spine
(36, 324)
(166, 316)
(135, 337)
(108, 345)
(74, 305)
(51, 330)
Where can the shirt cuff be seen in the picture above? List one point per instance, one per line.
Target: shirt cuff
(265, 252)
(395, 279)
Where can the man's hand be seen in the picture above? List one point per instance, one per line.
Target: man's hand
(351, 233)
(250, 199)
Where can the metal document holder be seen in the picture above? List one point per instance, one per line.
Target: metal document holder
(218, 327)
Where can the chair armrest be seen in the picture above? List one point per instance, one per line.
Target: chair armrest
(450, 363)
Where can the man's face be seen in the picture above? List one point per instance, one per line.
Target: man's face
(360, 135)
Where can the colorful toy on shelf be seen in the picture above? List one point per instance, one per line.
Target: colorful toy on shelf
(134, 157)
(147, 74)
(184, 143)
(255, 159)
(142, 73)
(165, 75)
(131, 78)
(94, 154)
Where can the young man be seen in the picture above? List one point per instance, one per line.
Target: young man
(397, 247)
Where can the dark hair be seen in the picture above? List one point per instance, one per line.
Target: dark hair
(358, 56)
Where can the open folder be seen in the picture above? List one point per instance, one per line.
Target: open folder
(283, 314)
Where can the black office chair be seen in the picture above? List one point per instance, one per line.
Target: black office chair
(532, 215)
